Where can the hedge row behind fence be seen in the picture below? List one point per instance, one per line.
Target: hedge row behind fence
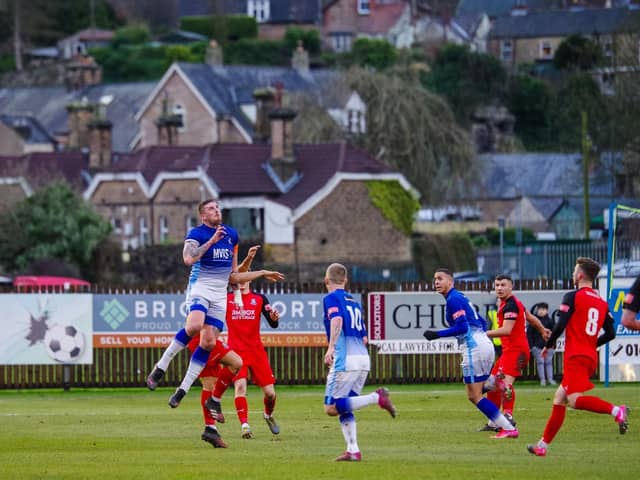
(129, 367)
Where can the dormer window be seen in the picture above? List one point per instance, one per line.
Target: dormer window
(355, 121)
(363, 7)
(259, 9)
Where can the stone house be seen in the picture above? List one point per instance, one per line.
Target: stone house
(80, 42)
(534, 37)
(21, 134)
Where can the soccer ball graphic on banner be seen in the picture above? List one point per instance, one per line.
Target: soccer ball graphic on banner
(64, 343)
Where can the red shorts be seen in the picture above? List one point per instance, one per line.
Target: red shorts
(512, 362)
(257, 362)
(213, 367)
(577, 373)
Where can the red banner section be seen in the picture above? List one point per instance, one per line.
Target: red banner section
(153, 340)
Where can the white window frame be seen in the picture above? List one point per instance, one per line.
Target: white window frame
(364, 7)
(143, 231)
(259, 9)
(163, 228)
(355, 121)
(178, 109)
(341, 42)
(506, 50)
(606, 42)
(189, 222)
(542, 46)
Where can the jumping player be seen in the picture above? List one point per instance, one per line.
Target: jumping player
(631, 307)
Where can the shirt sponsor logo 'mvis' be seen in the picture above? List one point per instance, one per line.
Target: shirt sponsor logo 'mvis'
(221, 254)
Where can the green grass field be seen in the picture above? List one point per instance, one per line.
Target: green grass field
(132, 433)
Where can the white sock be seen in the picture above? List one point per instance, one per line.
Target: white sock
(171, 351)
(614, 411)
(503, 423)
(349, 432)
(362, 401)
(192, 373)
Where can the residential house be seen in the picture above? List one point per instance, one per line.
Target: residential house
(497, 8)
(306, 203)
(538, 191)
(345, 20)
(48, 105)
(80, 42)
(534, 37)
(223, 103)
(20, 134)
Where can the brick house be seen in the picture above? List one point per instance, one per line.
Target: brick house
(222, 103)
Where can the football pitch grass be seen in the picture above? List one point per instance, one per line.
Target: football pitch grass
(132, 433)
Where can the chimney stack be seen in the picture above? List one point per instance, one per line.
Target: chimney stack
(81, 72)
(265, 99)
(100, 139)
(282, 159)
(300, 59)
(79, 116)
(214, 55)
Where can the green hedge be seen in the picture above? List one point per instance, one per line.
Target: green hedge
(224, 29)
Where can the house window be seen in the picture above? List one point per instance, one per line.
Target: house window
(181, 112)
(258, 9)
(607, 45)
(190, 222)
(116, 224)
(546, 51)
(341, 42)
(363, 7)
(355, 121)
(143, 231)
(506, 50)
(163, 228)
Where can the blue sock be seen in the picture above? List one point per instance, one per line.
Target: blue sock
(489, 409)
(182, 337)
(200, 355)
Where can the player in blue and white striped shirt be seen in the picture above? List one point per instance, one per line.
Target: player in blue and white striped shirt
(348, 357)
(478, 354)
(211, 250)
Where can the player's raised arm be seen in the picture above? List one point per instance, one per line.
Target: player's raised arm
(192, 251)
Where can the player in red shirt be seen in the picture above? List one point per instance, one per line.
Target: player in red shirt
(220, 355)
(583, 314)
(631, 307)
(512, 317)
(243, 324)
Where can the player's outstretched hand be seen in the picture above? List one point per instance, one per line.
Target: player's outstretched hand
(273, 276)
(431, 334)
(219, 234)
(546, 334)
(251, 253)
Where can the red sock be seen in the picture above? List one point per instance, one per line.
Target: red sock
(208, 419)
(224, 380)
(242, 409)
(495, 397)
(593, 404)
(554, 423)
(269, 404)
(507, 405)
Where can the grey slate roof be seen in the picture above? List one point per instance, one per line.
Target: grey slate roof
(28, 127)
(561, 23)
(495, 8)
(509, 176)
(48, 106)
(227, 87)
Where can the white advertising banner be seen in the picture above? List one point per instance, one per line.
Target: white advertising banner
(41, 329)
(397, 319)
